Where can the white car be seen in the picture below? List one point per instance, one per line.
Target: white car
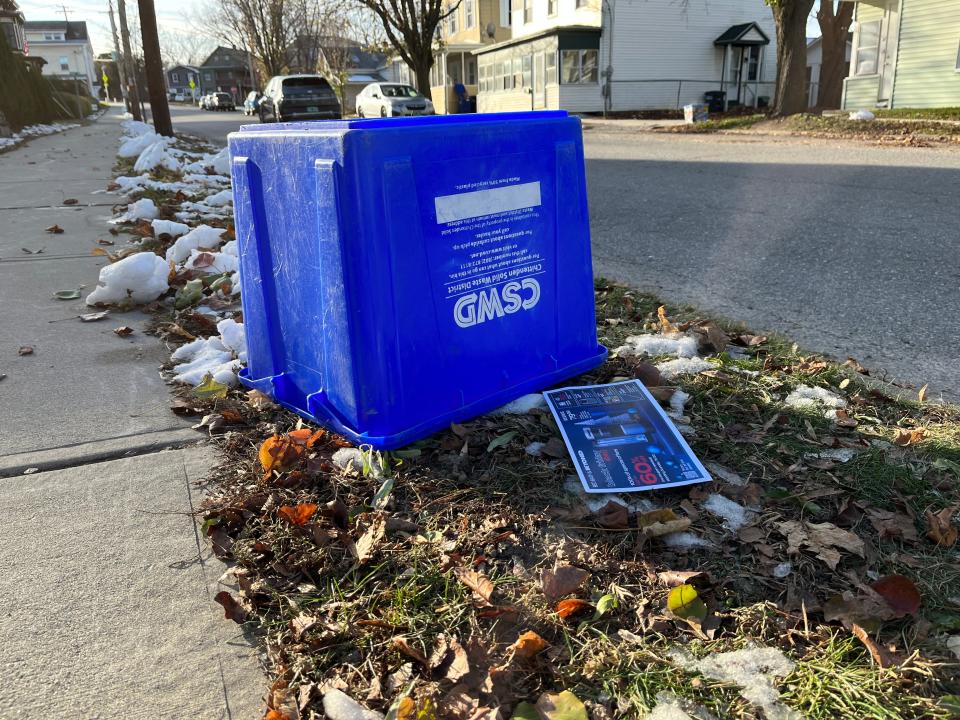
(179, 97)
(391, 100)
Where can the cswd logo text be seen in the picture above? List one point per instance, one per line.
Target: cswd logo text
(475, 308)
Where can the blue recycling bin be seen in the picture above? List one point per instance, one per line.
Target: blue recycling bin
(400, 274)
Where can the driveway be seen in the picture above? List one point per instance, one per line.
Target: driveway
(848, 248)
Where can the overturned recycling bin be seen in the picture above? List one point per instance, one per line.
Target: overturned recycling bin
(401, 274)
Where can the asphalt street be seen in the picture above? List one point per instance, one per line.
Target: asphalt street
(210, 124)
(849, 248)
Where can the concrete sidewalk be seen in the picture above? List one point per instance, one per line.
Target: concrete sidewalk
(107, 589)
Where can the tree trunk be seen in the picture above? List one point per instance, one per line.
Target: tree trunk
(835, 28)
(422, 72)
(791, 19)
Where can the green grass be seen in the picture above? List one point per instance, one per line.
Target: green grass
(947, 113)
(884, 127)
(737, 122)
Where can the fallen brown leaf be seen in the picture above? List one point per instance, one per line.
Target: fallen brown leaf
(900, 593)
(279, 453)
(648, 374)
(673, 578)
(232, 610)
(893, 525)
(123, 330)
(909, 437)
(572, 606)
(298, 515)
(25, 350)
(824, 539)
(561, 581)
(528, 645)
(883, 657)
(710, 338)
(371, 537)
(404, 646)
(479, 583)
(922, 394)
(54, 230)
(70, 201)
(940, 527)
(661, 522)
(613, 515)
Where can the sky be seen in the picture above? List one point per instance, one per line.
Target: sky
(170, 15)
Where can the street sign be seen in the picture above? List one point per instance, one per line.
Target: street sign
(106, 80)
(192, 84)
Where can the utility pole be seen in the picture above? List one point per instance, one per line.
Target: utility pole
(153, 64)
(133, 92)
(121, 69)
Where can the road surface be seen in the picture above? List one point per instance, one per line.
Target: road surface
(849, 248)
(210, 124)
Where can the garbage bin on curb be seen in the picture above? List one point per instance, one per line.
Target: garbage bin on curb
(715, 100)
(401, 274)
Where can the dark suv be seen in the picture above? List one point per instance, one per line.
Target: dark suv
(298, 97)
(223, 101)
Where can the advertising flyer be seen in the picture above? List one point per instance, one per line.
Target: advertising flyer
(621, 440)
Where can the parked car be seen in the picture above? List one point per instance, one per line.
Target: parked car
(179, 97)
(252, 103)
(298, 97)
(390, 99)
(223, 101)
(201, 99)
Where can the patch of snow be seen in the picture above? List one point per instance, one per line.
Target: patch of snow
(133, 127)
(338, 705)
(862, 115)
(755, 670)
(678, 401)
(204, 179)
(535, 448)
(683, 366)
(202, 236)
(683, 346)
(521, 405)
(232, 335)
(348, 458)
(596, 501)
(842, 455)
(222, 263)
(685, 541)
(224, 197)
(670, 707)
(220, 163)
(129, 183)
(220, 356)
(141, 277)
(155, 155)
(818, 399)
(142, 209)
(734, 515)
(169, 227)
(133, 146)
(782, 570)
(725, 474)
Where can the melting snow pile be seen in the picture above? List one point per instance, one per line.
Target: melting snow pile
(169, 227)
(136, 144)
(221, 356)
(818, 399)
(141, 277)
(683, 346)
(142, 209)
(202, 236)
(154, 156)
(218, 162)
(862, 115)
(521, 405)
(683, 366)
(755, 670)
(34, 131)
(734, 515)
(225, 261)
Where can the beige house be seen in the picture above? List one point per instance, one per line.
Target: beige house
(474, 24)
(66, 48)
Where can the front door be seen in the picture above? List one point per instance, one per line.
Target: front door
(539, 83)
(889, 38)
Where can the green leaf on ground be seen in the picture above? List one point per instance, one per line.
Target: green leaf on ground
(605, 605)
(380, 499)
(684, 602)
(525, 711)
(561, 706)
(210, 388)
(67, 295)
(501, 440)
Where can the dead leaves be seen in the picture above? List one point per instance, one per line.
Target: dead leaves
(561, 706)
(825, 540)
(298, 515)
(25, 350)
(890, 598)
(903, 438)
(657, 523)
(883, 657)
(563, 580)
(529, 645)
(123, 331)
(572, 606)
(893, 525)
(232, 610)
(940, 527)
(900, 593)
(479, 583)
(54, 230)
(279, 452)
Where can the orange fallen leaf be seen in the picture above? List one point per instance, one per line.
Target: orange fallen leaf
(279, 453)
(299, 515)
(572, 606)
(54, 229)
(528, 645)
(275, 715)
(909, 437)
(481, 585)
(922, 393)
(883, 657)
(940, 527)
(300, 436)
(666, 327)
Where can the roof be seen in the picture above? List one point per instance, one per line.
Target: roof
(564, 30)
(234, 58)
(743, 34)
(73, 30)
(191, 68)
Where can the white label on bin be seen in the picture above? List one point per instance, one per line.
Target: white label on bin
(478, 203)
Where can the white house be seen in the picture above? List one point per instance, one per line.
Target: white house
(618, 55)
(815, 62)
(66, 48)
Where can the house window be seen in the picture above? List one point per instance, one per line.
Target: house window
(868, 49)
(528, 71)
(452, 22)
(64, 63)
(208, 76)
(505, 13)
(551, 8)
(753, 63)
(174, 78)
(578, 67)
(471, 72)
(468, 15)
(527, 11)
(517, 72)
(551, 68)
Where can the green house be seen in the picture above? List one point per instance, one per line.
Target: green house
(906, 53)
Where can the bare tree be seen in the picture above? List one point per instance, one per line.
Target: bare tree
(183, 48)
(410, 27)
(265, 27)
(835, 30)
(790, 17)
